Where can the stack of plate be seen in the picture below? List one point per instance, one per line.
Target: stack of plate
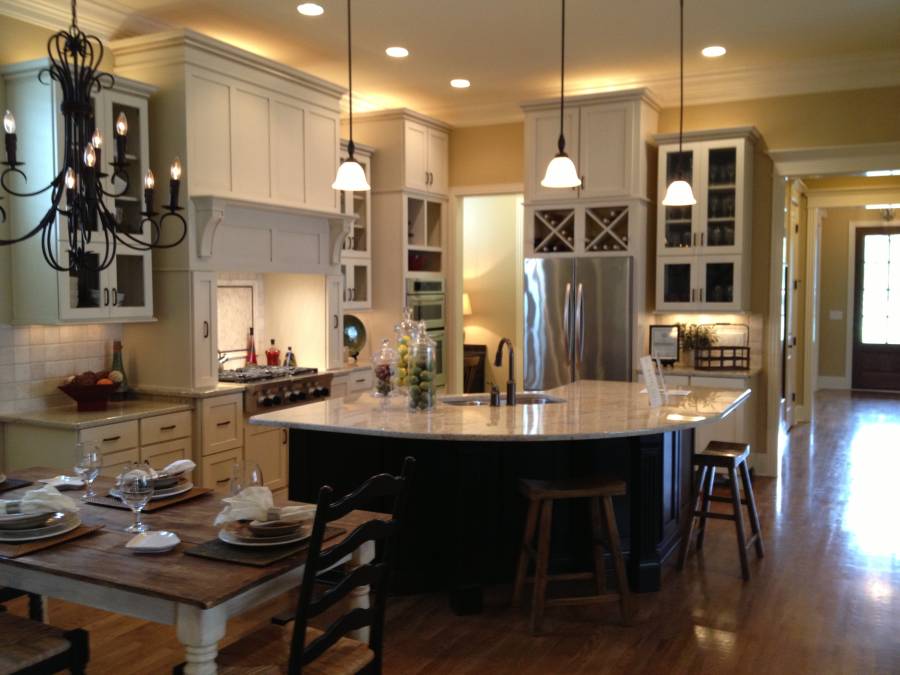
(265, 533)
(180, 487)
(22, 527)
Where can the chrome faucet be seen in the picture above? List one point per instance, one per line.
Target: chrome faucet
(498, 361)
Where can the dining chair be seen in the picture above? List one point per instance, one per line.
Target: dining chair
(35, 601)
(330, 652)
(32, 648)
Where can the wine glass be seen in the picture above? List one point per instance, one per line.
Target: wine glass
(87, 466)
(244, 475)
(135, 490)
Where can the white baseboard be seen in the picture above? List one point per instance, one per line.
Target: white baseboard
(832, 382)
(763, 463)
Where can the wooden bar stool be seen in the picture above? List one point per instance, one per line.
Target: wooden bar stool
(731, 457)
(541, 495)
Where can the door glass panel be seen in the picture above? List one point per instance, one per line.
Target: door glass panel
(677, 282)
(881, 289)
(129, 290)
(678, 218)
(361, 224)
(554, 231)
(720, 229)
(360, 284)
(84, 284)
(719, 282)
(606, 229)
(128, 202)
(434, 214)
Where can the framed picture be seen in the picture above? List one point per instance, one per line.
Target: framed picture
(664, 344)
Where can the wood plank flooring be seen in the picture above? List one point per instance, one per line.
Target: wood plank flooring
(826, 599)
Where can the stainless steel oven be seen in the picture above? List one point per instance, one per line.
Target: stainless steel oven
(425, 297)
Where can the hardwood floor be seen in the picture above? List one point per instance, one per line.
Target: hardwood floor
(825, 599)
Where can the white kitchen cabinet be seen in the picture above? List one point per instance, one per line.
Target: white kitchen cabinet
(204, 328)
(606, 137)
(357, 275)
(413, 150)
(334, 299)
(356, 253)
(586, 230)
(268, 448)
(355, 381)
(123, 291)
(701, 283)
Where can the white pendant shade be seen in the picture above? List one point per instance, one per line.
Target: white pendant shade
(351, 178)
(679, 193)
(561, 173)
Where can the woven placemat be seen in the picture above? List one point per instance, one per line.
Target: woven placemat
(13, 484)
(153, 504)
(216, 549)
(15, 550)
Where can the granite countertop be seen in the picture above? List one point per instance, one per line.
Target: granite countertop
(350, 368)
(592, 409)
(191, 392)
(68, 417)
(693, 372)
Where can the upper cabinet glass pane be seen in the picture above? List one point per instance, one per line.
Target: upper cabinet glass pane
(678, 218)
(721, 197)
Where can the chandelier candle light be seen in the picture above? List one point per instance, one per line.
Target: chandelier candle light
(74, 61)
(679, 192)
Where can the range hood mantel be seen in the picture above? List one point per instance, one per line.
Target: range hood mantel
(237, 234)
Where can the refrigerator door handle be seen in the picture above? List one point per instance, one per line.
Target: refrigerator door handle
(566, 303)
(579, 324)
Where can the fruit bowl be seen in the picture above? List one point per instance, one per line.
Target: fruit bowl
(89, 397)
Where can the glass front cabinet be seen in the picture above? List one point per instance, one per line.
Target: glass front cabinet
(356, 254)
(703, 250)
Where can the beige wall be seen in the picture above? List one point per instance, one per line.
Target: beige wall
(490, 274)
(488, 155)
(20, 41)
(294, 307)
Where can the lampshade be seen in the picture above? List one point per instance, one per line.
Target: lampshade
(679, 193)
(467, 305)
(351, 177)
(561, 173)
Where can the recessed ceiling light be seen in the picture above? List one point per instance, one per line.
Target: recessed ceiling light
(310, 9)
(713, 51)
(397, 52)
(460, 83)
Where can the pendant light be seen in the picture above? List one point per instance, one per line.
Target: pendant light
(679, 192)
(350, 175)
(561, 171)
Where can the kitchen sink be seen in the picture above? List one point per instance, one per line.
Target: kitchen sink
(525, 398)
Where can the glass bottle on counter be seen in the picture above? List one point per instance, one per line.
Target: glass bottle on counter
(118, 367)
(251, 349)
(290, 361)
(273, 354)
(406, 332)
(422, 363)
(385, 367)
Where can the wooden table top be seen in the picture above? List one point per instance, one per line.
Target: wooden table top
(102, 558)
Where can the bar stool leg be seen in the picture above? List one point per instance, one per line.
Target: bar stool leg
(751, 508)
(707, 493)
(739, 522)
(692, 519)
(543, 560)
(599, 554)
(616, 550)
(531, 520)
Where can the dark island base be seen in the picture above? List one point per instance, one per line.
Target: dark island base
(466, 515)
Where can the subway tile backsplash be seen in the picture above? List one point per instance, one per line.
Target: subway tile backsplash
(34, 361)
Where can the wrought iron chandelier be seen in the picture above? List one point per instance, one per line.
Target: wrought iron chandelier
(74, 61)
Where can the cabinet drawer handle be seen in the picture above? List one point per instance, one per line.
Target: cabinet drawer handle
(105, 297)
(111, 439)
(335, 321)
(361, 380)
(167, 428)
(223, 424)
(222, 480)
(284, 436)
(701, 295)
(115, 297)
(206, 329)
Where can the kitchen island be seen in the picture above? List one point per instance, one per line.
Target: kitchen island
(466, 520)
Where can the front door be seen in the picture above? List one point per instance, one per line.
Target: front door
(876, 320)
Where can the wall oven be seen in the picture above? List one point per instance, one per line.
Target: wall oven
(425, 298)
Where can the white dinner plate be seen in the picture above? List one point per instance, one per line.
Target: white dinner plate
(69, 523)
(231, 538)
(63, 482)
(155, 541)
(22, 521)
(162, 494)
(2, 478)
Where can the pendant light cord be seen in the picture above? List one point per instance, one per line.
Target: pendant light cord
(561, 143)
(74, 14)
(350, 145)
(681, 85)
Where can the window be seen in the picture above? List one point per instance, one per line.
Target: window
(881, 289)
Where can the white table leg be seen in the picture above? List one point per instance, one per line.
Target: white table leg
(360, 597)
(200, 630)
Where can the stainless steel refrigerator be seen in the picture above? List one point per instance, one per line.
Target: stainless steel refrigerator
(578, 318)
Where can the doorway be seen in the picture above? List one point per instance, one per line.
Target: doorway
(876, 316)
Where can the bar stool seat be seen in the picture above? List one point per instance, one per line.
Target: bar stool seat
(732, 457)
(541, 494)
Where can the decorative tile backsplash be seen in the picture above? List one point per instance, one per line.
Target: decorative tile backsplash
(34, 360)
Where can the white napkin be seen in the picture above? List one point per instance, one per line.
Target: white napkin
(179, 466)
(254, 503)
(41, 500)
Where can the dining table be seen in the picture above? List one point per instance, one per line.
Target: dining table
(197, 595)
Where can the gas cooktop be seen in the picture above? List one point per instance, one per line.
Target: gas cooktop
(261, 373)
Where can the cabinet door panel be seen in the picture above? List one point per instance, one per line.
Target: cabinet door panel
(724, 192)
(604, 150)
(542, 133)
(415, 156)
(678, 225)
(438, 156)
(250, 144)
(676, 286)
(719, 282)
(268, 448)
(209, 134)
(203, 318)
(130, 282)
(322, 141)
(288, 146)
(215, 470)
(335, 295)
(83, 294)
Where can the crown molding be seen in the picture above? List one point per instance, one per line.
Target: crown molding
(836, 159)
(106, 21)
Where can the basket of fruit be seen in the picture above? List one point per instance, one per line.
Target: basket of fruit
(90, 391)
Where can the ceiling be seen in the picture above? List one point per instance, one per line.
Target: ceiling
(509, 49)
